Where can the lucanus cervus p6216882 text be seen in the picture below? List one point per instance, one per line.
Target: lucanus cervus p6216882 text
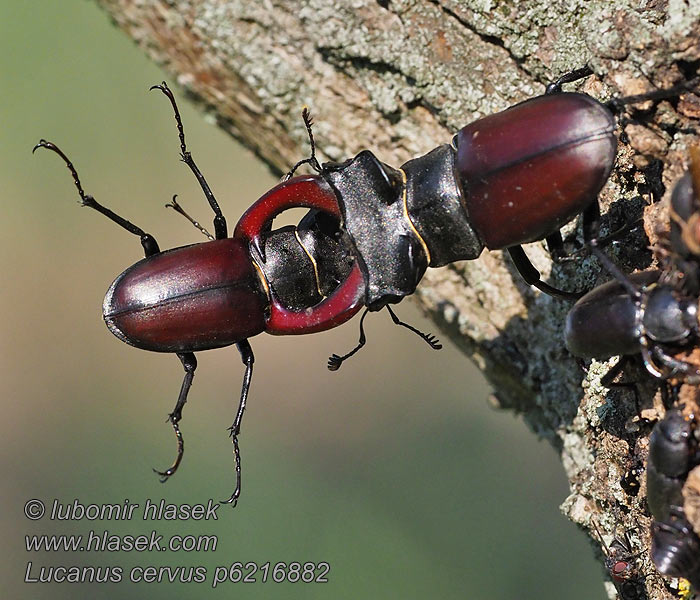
(372, 233)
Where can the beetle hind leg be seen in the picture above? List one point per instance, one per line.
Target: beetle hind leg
(148, 242)
(234, 431)
(189, 363)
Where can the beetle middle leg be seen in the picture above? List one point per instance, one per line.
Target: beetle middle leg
(248, 359)
(189, 363)
(150, 246)
(532, 276)
(591, 224)
(220, 229)
(335, 361)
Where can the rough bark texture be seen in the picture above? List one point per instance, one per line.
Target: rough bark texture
(400, 77)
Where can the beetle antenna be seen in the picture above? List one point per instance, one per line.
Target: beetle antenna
(178, 209)
(312, 161)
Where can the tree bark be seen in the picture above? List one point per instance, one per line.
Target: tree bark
(400, 77)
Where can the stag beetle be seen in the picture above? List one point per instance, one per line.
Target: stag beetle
(373, 231)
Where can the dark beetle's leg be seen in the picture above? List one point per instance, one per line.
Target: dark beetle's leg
(616, 105)
(335, 361)
(591, 223)
(680, 369)
(150, 246)
(189, 362)
(532, 276)
(570, 77)
(219, 221)
(235, 429)
(669, 394)
(621, 232)
(608, 380)
(432, 341)
(308, 122)
(591, 226)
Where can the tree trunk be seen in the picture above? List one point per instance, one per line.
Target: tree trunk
(400, 77)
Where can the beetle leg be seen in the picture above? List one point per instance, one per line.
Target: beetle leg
(532, 276)
(591, 222)
(189, 362)
(219, 221)
(248, 359)
(150, 246)
(679, 368)
(570, 77)
(432, 341)
(613, 372)
(669, 394)
(555, 246)
(335, 361)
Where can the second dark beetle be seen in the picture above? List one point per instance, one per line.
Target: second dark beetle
(653, 313)
(673, 452)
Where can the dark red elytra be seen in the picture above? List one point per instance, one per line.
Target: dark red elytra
(533, 167)
(187, 299)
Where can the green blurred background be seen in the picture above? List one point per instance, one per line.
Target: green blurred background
(393, 470)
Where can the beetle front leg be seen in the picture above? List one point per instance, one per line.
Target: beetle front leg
(248, 359)
(570, 77)
(148, 242)
(189, 362)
